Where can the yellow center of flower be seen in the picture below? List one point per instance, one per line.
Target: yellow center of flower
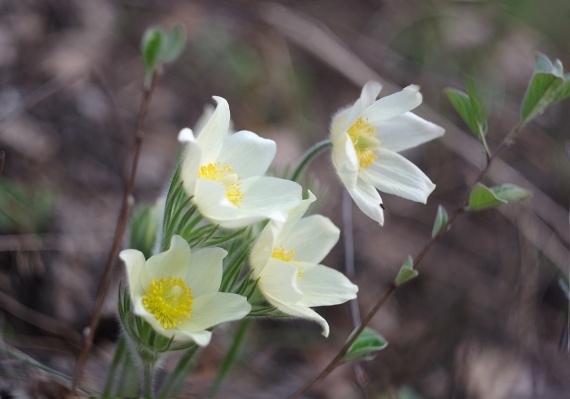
(361, 134)
(169, 300)
(225, 175)
(287, 256)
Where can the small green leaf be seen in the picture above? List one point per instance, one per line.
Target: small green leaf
(547, 86)
(510, 193)
(477, 107)
(174, 44)
(482, 197)
(151, 47)
(367, 343)
(440, 220)
(406, 272)
(462, 104)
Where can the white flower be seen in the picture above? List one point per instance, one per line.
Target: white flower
(224, 174)
(366, 138)
(176, 291)
(285, 262)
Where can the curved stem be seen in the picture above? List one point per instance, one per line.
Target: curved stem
(308, 156)
(148, 379)
(119, 231)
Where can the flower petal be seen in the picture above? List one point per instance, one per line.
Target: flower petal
(211, 309)
(212, 202)
(263, 197)
(172, 263)
(312, 238)
(393, 174)
(393, 105)
(191, 163)
(205, 273)
(367, 97)
(345, 160)
(407, 131)
(304, 313)
(295, 213)
(134, 263)
(247, 153)
(263, 247)
(323, 286)
(278, 281)
(212, 135)
(368, 200)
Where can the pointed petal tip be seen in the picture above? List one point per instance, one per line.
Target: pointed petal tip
(186, 135)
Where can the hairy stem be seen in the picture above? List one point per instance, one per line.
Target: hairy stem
(308, 157)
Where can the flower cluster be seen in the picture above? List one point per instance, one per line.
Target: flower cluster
(248, 217)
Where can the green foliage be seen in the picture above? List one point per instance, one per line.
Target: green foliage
(160, 46)
(23, 210)
(144, 227)
(367, 344)
(406, 272)
(441, 219)
(482, 197)
(547, 86)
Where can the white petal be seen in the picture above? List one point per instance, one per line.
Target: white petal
(368, 200)
(247, 153)
(339, 123)
(393, 105)
(393, 174)
(201, 338)
(345, 160)
(323, 286)
(205, 273)
(278, 281)
(407, 131)
(212, 202)
(295, 213)
(191, 162)
(212, 309)
(312, 238)
(264, 197)
(212, 135)
(172, 263)
(367, 97)
(263, 247)
(304, 313)
(134, 263)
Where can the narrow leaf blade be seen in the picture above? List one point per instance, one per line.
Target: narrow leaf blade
(406, 272)
(441, 219)
(510, 193)
(481, 197)
(462, 104)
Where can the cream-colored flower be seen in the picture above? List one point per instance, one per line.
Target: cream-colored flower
(366, 138)
(224, 173)
(286, 264)
(176, 291)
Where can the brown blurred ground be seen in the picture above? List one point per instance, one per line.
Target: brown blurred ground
(486, 316)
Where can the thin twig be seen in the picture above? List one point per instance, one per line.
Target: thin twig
(120, 230)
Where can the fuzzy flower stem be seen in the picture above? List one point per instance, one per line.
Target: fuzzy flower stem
(148, 379)
(312, 152)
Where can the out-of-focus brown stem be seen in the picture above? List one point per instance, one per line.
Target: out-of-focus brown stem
(119, 231)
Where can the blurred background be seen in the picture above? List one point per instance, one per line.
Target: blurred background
(488, 316)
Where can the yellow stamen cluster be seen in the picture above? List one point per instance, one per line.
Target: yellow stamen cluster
(361, 134)
(225, 175)
(287, 256)
(169, 300)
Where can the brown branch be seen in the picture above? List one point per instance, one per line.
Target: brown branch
(120, 230)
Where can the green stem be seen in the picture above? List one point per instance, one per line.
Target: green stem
(309, 155)
(117, 360)
(174, 383)
(230, 357)
(148, 379)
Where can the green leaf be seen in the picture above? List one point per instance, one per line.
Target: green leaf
(477, 107)
(482, 197)
(547, 86)
(367, 343)
(462, 104)
(174, 44)
(510, 193)
(406, 272)
(440, 220)
(151, 47)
